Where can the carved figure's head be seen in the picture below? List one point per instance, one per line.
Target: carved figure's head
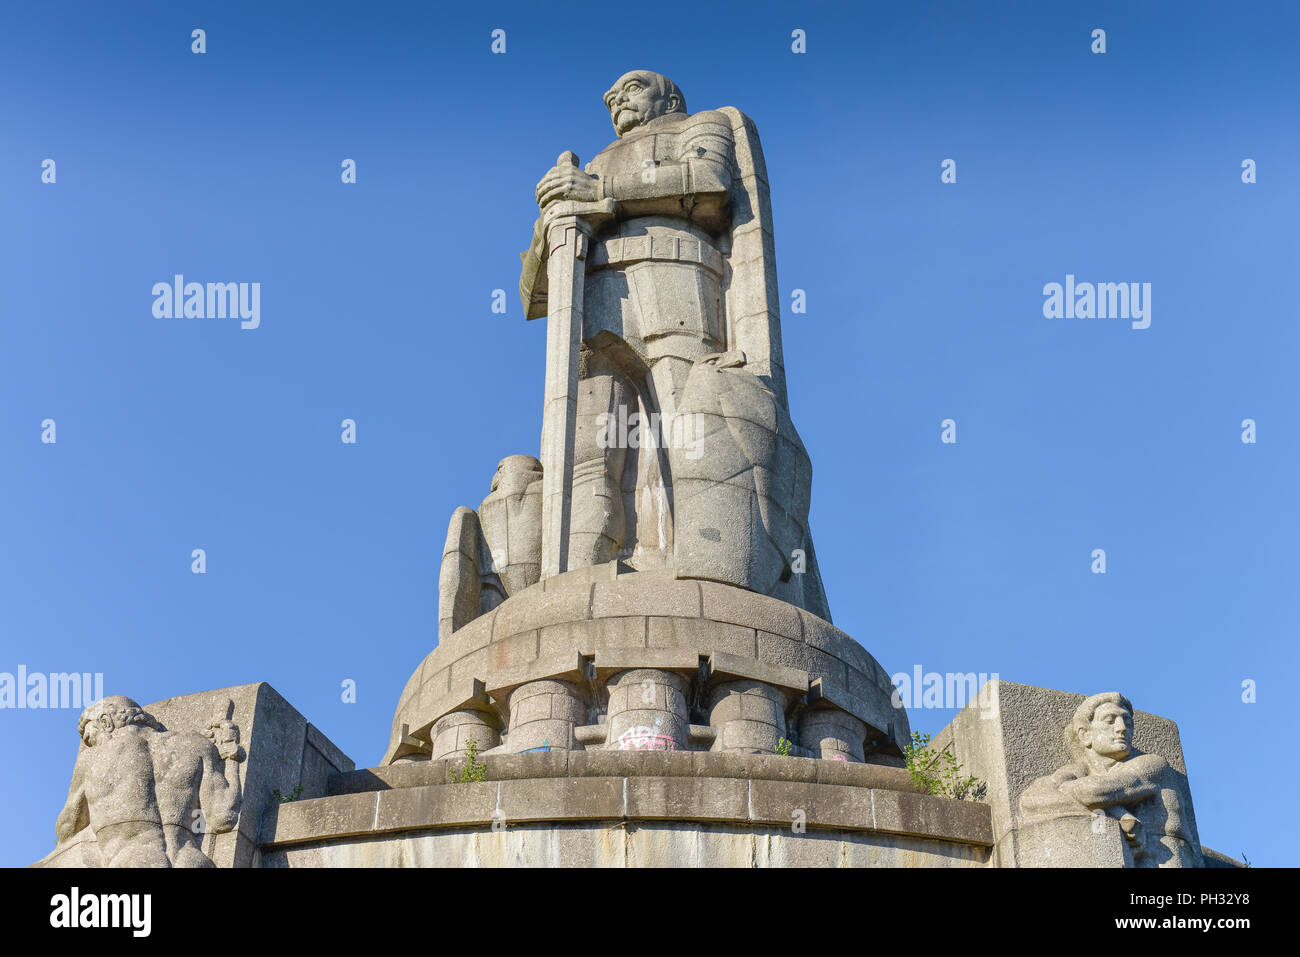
(641, 96)
(734, 359)
(108, 714)
(1102, 725)
(515, 473)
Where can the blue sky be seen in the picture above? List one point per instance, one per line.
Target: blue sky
(924, 303)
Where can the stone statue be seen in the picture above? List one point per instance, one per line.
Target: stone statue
(1141, 791)
(655, 266)
(750, 529)
(495, 552)
(149, 794)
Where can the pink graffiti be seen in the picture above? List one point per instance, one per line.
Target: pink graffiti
(645, 738)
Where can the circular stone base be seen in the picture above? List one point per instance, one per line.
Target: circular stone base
(587, 626)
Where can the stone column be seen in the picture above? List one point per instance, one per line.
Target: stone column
(543, 714)
(833, 734)
(748, 716)
(647, 711)
(451, 733)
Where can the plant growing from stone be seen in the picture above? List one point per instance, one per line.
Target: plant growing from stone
(291, 796)
(474, 770)
(783, 746)
(938, 771)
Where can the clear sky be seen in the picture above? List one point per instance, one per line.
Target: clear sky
(924, 302)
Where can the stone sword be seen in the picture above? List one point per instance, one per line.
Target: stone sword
(569, 225)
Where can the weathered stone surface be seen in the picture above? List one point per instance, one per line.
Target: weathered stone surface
(702, 635)
(612, 633)
(471, 637)
(722, 603)
(343, 815)
(583, 577)
(406, 808)
(386, 776)
(822, 635)
(749, 716)
(625, 597)
(80, 850)
(611, 661)
(887, 730)
(924, 815)
(544, 714)
(536, 608)
(647, 710)
(782, 802)
(793, 653)
(705, 764)
(850, 808)
(799, 807)
(741, 508)
(635, 844)
(650, 798)
(724, 667)
(1215, 858)
(559, 666)
(573, 637)
(1073, 842)
(562, 799)
(832, 734)
(518, 649)
(452, 733)
(866, 776)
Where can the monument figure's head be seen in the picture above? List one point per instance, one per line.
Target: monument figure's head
(108, 714)
(641, 96)
(515, 473)
(1102, 725)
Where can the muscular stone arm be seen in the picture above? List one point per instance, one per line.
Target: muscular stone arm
(76, 812)
(1045, 799)
(1129, 782)
(220, 794)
